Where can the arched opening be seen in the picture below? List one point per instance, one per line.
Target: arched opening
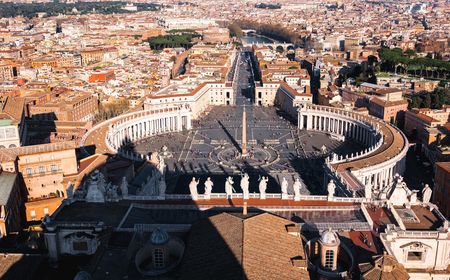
(279, 49)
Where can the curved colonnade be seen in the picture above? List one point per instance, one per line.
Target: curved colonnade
(384, 153)
(154, 122)
(119, 131)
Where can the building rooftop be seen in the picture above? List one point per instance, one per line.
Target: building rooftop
(226, 246)
(7, 181)
(423, 219)
(383, 267)
(12, 153)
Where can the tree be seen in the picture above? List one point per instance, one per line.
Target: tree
(410, 53)
(415, 102)
(426, 102)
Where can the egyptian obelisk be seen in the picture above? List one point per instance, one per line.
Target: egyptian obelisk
(244, 134)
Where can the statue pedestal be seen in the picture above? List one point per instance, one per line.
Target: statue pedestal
(330, 198)
(284, 196)
(207, 196)
(194, 197)
(245, 196)
(162, 197)
(262, 196)
(296, 198)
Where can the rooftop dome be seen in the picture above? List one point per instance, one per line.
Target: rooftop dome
(82, 275)
(329, 237)
(159, 237)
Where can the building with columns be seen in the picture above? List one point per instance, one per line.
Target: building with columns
(131, 127)
(366, 172)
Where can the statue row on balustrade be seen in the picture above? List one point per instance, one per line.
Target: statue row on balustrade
(244, 183)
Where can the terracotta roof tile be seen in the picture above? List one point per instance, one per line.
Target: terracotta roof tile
(227, 246)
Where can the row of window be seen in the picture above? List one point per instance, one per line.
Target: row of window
(33, 213)
(42, 169)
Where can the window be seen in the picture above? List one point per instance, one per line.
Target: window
(158, 257)
(33, 215)
(29, 171)
(415, 256)
(54, 167)
(45, 211)
(80, 246)
(41, 169)
(329, 256)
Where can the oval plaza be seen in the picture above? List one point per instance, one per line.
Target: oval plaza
(381, 154)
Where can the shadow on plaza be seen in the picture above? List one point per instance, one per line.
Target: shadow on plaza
(211, 248)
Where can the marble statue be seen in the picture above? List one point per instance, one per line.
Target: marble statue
(426, 194)
(284, 188)
(149, 187)
(162, 186)
(229, 186)
(245, 182)
(111, 192)
(69, 190)
(263, 187)
(124, 187)
(331, 187)
(161, 165)
(208, 187)
(296, 187)
(193, 188)
(413, 197)
(101, 182)
(95, 189)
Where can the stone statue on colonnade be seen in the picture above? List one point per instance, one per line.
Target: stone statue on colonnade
(284, 188)
(296, 187)
(124, 186)
(161, 187)
(208, 187)
(426, 194)
(69, 190)
(229, 186)
(245, 182)
(331, 187)
(263, 187)
(193, 188)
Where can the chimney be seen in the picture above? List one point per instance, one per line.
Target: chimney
(244, 209)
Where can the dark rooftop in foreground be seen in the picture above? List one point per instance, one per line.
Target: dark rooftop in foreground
(226, 246)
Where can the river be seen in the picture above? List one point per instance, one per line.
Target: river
(254, 39)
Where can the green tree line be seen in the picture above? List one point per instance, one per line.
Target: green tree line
(434, 100)
(183, 40)
(31, 10)
(395, 60)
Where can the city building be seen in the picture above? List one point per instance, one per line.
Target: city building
(424, 124)
(43, 167)
(13, 129)
(11, 203)
(62, 105)
(441, 189)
